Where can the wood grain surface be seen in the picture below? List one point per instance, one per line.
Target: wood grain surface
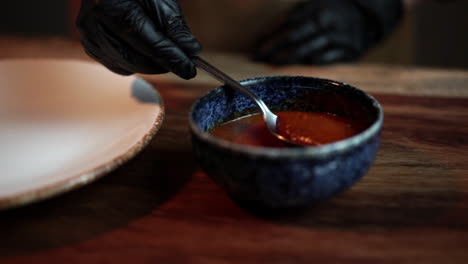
(412, 206)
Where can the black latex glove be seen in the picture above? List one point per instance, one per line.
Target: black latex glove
(328, 31)
(138, 36)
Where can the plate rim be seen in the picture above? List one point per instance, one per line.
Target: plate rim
(84, 178)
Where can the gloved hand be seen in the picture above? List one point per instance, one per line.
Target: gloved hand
(328, 31)
(138, 36)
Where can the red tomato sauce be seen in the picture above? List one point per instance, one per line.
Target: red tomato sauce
(305, 128)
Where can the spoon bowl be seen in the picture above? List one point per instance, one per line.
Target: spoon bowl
(271, 120)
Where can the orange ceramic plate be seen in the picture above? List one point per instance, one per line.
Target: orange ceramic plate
(65, 123)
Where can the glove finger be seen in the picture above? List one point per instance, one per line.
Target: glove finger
(332, 46)
(306, 10)
(94, 41)
(93, 50)
(289, 38)
(107, 62)
(314, 47)
(295, 53)
(179, 32)
(150, 42)
(292, 22)
(169, 15)
(297, 16)
(331, 56)
(127, 56)
(115, 53)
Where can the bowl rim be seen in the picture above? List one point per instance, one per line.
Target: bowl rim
(300, 152)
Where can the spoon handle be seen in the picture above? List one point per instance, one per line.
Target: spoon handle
(226, 79)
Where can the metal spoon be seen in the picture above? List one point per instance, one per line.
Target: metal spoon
(269, 117)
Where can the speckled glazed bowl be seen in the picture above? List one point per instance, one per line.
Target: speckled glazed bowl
(287, 177)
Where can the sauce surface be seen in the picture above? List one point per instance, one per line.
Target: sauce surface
(305, 128)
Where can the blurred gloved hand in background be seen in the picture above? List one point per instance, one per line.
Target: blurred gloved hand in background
(328, 31)
(138, 36)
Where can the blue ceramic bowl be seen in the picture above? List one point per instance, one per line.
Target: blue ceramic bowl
(286, 177)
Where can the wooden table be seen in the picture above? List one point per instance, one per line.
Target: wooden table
(412, 207)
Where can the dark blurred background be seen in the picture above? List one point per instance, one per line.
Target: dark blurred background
(43, 17)
(434, 35)
(441, 34)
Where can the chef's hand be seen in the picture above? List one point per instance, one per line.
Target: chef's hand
(138, 36)
(328, 31)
